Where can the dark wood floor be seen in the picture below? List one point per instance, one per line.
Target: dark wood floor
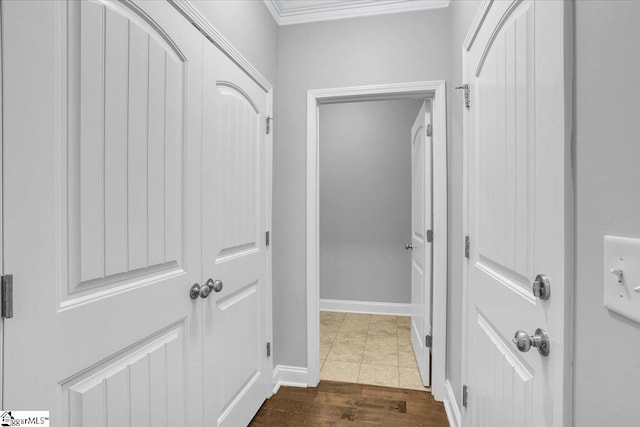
(346, 404)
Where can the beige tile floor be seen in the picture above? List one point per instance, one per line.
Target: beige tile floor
(368, 349)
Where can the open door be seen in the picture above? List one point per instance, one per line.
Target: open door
(420, 246)
(519, 216)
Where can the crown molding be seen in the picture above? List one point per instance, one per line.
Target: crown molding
(344, 10)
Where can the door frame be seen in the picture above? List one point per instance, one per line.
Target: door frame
(2, 320)
(569, 288)
(436, 91)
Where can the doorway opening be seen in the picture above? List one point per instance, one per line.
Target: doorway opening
(433, 95)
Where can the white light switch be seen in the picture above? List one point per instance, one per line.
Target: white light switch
(622, 276)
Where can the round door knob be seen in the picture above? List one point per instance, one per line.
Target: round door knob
(194, 291)
(541, 287)
(215, 285)
(539, 340)
(205, 290)
(408, 246)
(522, 340)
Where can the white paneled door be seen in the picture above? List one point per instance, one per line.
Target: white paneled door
(235, 184)
(421, 257)
(518, 216)
(102, 171)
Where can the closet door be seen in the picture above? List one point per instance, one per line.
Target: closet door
(235, 315)
(101, 167)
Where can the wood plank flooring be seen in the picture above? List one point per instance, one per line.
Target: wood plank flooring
(345, 404)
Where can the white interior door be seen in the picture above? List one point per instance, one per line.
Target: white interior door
(235, 253)
(101, 124)
(421, 253)
(518, 187)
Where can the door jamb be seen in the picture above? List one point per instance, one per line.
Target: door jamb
(2, 272)
(435, 90)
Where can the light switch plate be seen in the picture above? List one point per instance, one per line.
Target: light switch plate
(622, 253)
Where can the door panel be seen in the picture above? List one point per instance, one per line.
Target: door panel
(102, 166)
(125, 180)
(517, 214)
(134, 383)
(234, 224)
(421, 257)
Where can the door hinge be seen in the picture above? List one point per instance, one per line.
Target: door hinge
(429, 130)
(428, 341)
(430, 236)
(269, 120)
(268, 238)
(6, 283)
(268, 349)
(467, 246)
(465, 395)
(467, 94)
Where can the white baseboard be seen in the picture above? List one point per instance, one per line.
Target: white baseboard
(451, 407)
(369, 307)
(293, 376)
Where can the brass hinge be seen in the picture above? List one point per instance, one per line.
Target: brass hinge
(428, 341)
(429, 130)
(268, 349)
(467, 94)
(6, 285)
(429, 236)
(268, 238)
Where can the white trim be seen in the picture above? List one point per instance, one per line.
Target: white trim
(476, 24)
(193, 15)
(269, 227)
(451, 407)
(368, 307)
(436, 90)
(292, 376)
(466, 128)
(347, 9)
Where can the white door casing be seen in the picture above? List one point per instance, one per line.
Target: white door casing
(518, 213)
(235, 187)
(421, 259)
(436, 92)
(102, 170)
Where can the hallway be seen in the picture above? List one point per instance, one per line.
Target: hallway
(343, 404)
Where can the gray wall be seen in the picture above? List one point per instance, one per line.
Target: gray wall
(382, 49)
(607, 150)
(462, 13)
(365, 200)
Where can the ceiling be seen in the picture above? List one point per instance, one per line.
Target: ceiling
(287, 12)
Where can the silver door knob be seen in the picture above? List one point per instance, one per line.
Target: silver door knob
(194, 291)
(541, 287)
(205, 290)
(199, 291)
(214, 285)
(408, 246)
(539, 340)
